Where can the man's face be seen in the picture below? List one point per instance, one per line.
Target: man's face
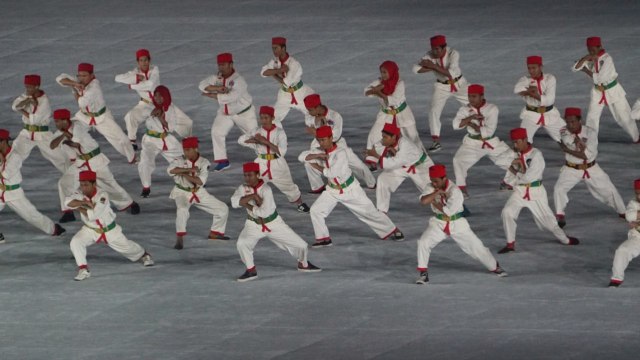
(191, 153)
(388, 139)
(62, 124)
(4, 146)
(315, 111)
(84, 77)
(384, 74)
(437, 51)
(520, 144)
(476, 100)
(251, 178)
(438, 183)
(31, 90)
(143, 63)
(225, 68)
(87, 187)
(535, 70)
(573, 124)
(278, 50)
(594, 50)
(325, 143)
(266, 120)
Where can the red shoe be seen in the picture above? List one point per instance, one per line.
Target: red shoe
(573, 241)
(511, 246)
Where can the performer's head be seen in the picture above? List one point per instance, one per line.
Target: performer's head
(266, 117)
(251, 173)
(85, 73)
(519, 138)
(636, 188)
(162, 97)
(143, 58)
(594, 45)
(534, 66)
(190, 148)
(62, 118)
(438, 176)
(225, 64)
(5, 138)
(279, 47)
(389, 71)
(390, 134)
(572, 117)
(475, 94)
(87, 182)
(438, 45)
(314, 106)
(324, 135)
(32, 84)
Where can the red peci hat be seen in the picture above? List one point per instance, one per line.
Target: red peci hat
(279, 41)
(437, 171)
(475, 89)
(636, 184)
(32, 79)
(268, 110)
(87, 175)
(438, 40)
(61, 114)
(250, 167)
(571, 111)
(85, 67)
(312, 101)
(4, 134)
(391, 128)
(534, 60)
(324, 132)
(225, 58)
(518, 133)
(190, 143)
(594, 41)
(142, 52)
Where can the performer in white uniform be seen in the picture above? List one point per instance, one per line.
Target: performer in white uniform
(538, 90)
(190, 173)
(85, 154)
(270, 145)
(629, 249)
(321, 115)
(390, 91)
(161, 122)
(607, 91)
(525, 175)
(580, 145)
(343, 188)
(263, 221)
(480, 119)
(287, 71)
(399, 159)
(446, 202)
(35, 110)
(444, 62)
(229, 88)
(99, 226)
(144, 79)
(12, 195)
(93, 109)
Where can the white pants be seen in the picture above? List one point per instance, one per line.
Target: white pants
(358, 168)
(442, 93)
(471, 151)
(222, 125)
(69, 183)
(151, 147)
(208, 203)
(539, 207)
(107, 126)
(281, 235)
(461, 233)
(136, 117)
(355, 199)
(284, 103)
(404, 120)
(390, 180)
(626, 252)
(598, 183)
(280, 177)
(552, 123)
(25, 209)
(619, 107)
(42, 139)
(115, 239)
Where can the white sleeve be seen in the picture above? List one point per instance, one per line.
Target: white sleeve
(148, 85)
(75, 196)
(270, 66)
(584, 65)
(369, 87)
(461, 114)
(490, 122)
(521, 85)
(65, 76)
(281, 142)
(23, 96)
(245, 137)
(549, 96)
(209, 80)
(239, 87)
(237, 195)
(101, 206)
(128, 78)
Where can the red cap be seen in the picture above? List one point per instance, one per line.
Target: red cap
(278, 41)
(61, 114)
(4, 134)
(190, 143)
(87, 175)
(312, 101)
(475, 89)
(324, 131)
(534, 60)
(518, 133)
(594, 41)
(391, 128)
(250, 167)
(438, 40)
(267, 110)
(225, 58)
(85, 67)
(32, 80)
(437, 171)
(142, 52)
(571, 111)
(636, 184)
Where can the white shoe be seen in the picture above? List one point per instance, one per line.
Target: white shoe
(147, 260)
(82, 275)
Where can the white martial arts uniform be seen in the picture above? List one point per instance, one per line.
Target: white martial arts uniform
(450, 223)
(529, 192)
(477, 145)
(608, 91)
(158, 140)
(145, 88)
(264, 221)
(94, 113)
(89, 157)
(185, 193)
(292, 91)
(577, 169)
(334, 120)
(540, 113)
(408, 162)
(235, 108)
(100, 226)
(11, 193)
(342, 187)
(629, 249)
(273, 167)
(395, 112)
(36, 132)
(445, 87)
